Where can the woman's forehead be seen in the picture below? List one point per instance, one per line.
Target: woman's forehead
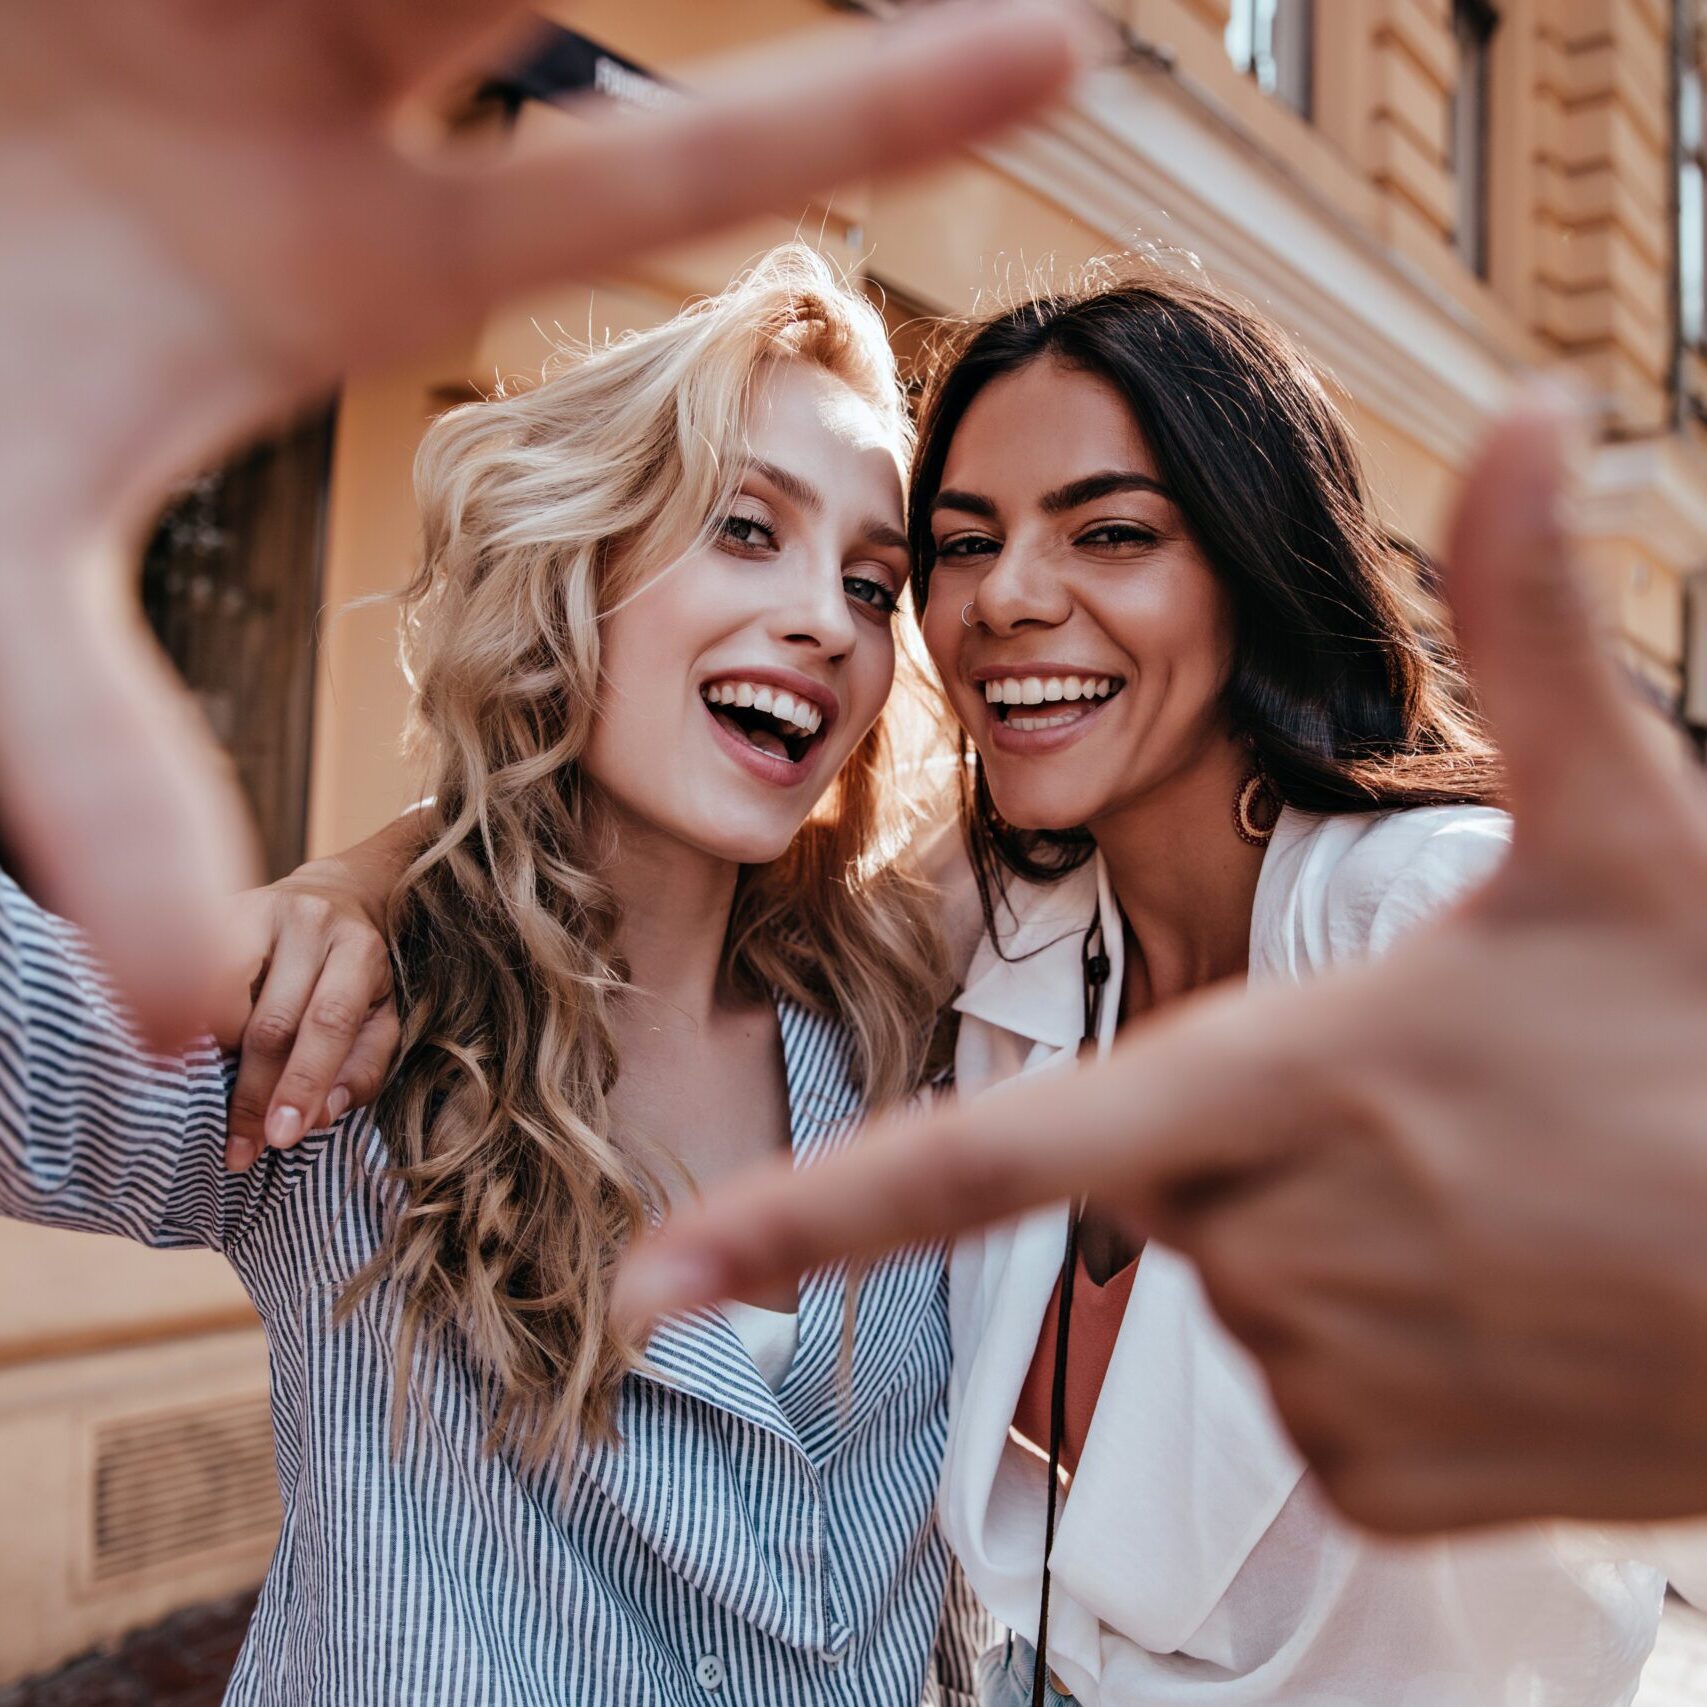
(1043, 419)
(815, 425)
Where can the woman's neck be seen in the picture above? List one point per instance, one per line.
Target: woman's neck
(1186, 882)
(674, 904)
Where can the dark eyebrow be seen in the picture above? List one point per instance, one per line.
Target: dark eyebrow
(877, 532)
(801, 493)
(970, 502)
(1094, 486)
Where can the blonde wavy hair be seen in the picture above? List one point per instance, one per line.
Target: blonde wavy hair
(542, 511)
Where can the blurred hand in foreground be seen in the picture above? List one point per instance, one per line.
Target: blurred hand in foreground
(209, 213)
(1455, 1202)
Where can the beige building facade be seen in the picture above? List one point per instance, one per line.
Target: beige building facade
(1435, 197)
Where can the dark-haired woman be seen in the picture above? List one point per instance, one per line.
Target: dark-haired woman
(1208, 744)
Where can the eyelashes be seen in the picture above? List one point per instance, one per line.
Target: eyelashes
(739, 531)
(872, 593)
(1101, 536)
(748, 536)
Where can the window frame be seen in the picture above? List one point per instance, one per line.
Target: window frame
(1475, 23)
(1274, 42)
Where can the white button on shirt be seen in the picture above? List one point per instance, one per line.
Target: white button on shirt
(1196, 1561)
(709, 1672)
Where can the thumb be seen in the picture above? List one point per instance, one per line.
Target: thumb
(1569, 729)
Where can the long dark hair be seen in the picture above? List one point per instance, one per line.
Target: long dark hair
(1346, 706)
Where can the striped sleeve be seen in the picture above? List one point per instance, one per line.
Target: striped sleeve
(965, 1632)
(98, 1134)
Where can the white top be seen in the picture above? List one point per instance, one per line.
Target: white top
(771, 1338)
(1196, 1561)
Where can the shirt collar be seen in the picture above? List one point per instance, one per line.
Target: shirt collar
(1034, 985)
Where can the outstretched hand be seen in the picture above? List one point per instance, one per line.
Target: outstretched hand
(1455, 1202)
(210, 214)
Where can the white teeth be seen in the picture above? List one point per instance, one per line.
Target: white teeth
(802, 713)
(1057, 721)
(1040, 690)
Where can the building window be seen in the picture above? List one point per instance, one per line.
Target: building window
(1473, 23)
(231, 587)
(1271, 40)
(1691, 207)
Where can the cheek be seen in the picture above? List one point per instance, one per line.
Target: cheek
(943, 634)
(638, 648)
(939, 625)
(870, 678)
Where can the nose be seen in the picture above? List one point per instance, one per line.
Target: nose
(813, 612)
(1020, 589)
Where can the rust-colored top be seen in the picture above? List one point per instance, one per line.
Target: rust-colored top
(1097, 1315)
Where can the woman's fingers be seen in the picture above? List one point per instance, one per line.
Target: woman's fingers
(368, 1064)
(297, 955)
(350, 987)
(759, 137)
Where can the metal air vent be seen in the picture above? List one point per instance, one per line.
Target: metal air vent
(173, 1486)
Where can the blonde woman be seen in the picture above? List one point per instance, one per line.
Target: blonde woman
(646, 942)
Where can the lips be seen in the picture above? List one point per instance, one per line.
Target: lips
(1039, 708)
(772, 721)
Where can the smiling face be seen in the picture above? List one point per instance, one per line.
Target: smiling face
(1083, 638)
(735, 684)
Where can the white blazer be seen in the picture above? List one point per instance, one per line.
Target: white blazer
(1196, 1560)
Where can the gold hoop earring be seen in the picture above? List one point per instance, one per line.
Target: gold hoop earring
(965, 620)
(1256, 810)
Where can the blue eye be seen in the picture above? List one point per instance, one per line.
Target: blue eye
(872, 593)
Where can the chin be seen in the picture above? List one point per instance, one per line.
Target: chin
(1033, 811)
(746, 845)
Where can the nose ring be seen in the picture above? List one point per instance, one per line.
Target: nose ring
(965, 619)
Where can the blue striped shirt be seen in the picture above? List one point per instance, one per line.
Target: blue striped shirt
(737, 1545)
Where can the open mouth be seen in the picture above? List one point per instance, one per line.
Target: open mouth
(1032, 703)
(770, 720)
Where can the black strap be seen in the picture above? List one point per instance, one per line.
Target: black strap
(1096, 967)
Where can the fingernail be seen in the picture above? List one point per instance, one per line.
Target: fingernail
(337, 1104)
(240, 1153)
(284, 1126)
(661, 1284)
